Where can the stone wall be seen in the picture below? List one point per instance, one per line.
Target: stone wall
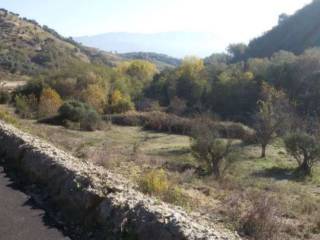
(97, 197)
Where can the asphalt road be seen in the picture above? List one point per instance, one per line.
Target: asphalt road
(20, 219)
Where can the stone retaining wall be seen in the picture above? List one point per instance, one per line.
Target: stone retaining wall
(98, 197)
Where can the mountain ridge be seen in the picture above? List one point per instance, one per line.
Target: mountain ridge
(176, 44)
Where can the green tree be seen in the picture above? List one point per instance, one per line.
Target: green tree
(237, 51)
(305, 148)
(191, 81)
(272, 116)
(209, 148)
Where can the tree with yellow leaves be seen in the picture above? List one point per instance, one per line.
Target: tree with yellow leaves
(49, 104)
(95, 96)
(119, 103)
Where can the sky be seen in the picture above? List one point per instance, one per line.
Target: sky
(230, 21)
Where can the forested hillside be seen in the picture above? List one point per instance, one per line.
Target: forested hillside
(294, 33)
(161, 60)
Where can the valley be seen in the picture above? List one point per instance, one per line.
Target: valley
(143, 144)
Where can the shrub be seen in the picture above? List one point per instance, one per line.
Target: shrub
(156, 182)
(34, 88)
(262, 219)
(50, 102)
(305, 148)
(163, 122)
(26, 106)
(90, 121)
(73, 110)
(7, 117)
(80, 112)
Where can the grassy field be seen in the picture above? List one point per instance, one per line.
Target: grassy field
(265, 191)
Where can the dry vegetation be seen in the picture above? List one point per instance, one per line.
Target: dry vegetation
(261, 198)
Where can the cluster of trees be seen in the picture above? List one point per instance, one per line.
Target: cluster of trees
(90, 90)
(265, 93)
(275, 118)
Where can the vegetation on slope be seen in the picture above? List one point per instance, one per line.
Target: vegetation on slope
(161, 60)
(294, 33)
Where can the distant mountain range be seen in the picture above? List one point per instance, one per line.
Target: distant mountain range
(176, 44)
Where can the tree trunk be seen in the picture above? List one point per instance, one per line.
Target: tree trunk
(305, 168)
(263, 150)
(215, 167)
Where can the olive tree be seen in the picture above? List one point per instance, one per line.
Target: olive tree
(304, 146)
(209, 148)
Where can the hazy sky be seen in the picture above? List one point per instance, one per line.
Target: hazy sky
(229, 20)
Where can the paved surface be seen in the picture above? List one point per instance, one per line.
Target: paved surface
(20, 219)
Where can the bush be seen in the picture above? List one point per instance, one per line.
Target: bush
(163, 122)
(305, 148)
(90, 121)
(7, 117)
(156, 182)
(255, 214)
(82, 113)
(26, 106)
(262, 220)
(34, 88)
(73, 110)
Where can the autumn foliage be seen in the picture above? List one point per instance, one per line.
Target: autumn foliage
(50, 102)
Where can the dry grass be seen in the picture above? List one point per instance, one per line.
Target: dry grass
(134, 153)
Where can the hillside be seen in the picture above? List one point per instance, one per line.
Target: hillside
(27, 48)
(293, 33)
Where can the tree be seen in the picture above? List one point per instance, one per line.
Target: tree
(95, 96)
(305, 148)
(119, 103)
(208, 147)
(50, 102)
(237, 51)
(191, 81)
(282, 18)
(82, 113)
(272, 116)
(137, 74)
(26, 105)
